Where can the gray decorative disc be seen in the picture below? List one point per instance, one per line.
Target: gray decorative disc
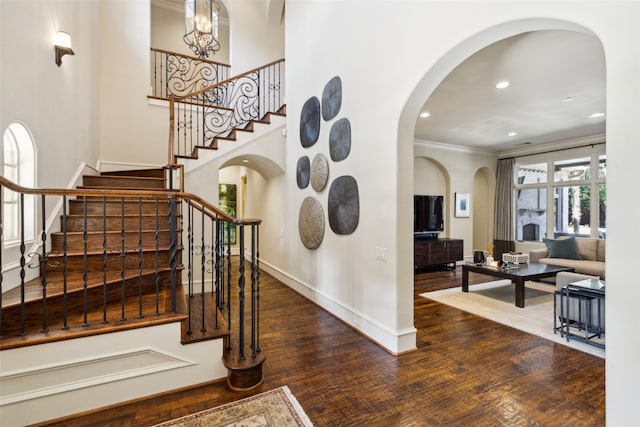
(340, 140)
(331, 98)
(310, 122)
(311, 223)
(303, 171)
(344, 205)
(319, 172)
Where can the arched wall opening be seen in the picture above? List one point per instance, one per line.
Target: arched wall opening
(484, 190)
(406, 125)
(432, 178)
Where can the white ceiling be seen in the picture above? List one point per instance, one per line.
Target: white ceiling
(543, 67)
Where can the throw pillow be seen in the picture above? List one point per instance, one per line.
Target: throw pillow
(563, 248)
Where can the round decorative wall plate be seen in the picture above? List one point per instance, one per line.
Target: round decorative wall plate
(319, 172)
(331, 98)
(311, 223)
(303, 171)
(340, 140)
(344, 205)
(310, 122)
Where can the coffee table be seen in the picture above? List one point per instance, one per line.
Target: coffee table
(530, 271)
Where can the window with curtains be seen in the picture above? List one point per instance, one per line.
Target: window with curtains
(20, 168)
(561, 195)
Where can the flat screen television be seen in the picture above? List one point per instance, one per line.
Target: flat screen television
(428, 214)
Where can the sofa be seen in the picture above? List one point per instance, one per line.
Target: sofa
(585, 255)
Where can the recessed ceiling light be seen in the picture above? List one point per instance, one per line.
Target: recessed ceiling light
(425, 114)
(567, 99)
(245, 161)
(512, 133)
(502, 84)
(596, 115)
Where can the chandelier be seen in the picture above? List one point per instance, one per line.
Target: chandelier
(201, 26)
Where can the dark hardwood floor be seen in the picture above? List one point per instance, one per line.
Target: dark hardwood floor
(467, 371)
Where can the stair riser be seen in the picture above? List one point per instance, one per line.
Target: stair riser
(75, 242)
(95, 301)
(150, 173)
(122, 182)
(95, 263)
(114, 223)
(95, 207)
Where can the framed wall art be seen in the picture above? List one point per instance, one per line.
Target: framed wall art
(227, 199)
(463, 205)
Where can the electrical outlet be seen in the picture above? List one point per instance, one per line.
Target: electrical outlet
(381, 253)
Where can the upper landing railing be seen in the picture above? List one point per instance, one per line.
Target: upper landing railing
(197, 119)
(177, 74)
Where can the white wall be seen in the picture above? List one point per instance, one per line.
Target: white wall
(254, 41)
(129, 128)
(46, 98)
(387, 75)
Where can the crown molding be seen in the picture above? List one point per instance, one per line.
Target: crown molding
(453, 147)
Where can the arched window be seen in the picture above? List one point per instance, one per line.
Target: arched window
(20, 168)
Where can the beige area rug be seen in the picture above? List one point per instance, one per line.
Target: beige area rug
(496, 301)
(275, 408)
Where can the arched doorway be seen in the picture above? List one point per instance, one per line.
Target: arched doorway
(407, 123)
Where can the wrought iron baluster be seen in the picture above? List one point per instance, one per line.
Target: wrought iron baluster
(228, 284)
(189, 267)
(123, 255)
(85, 276)
(241, 283)
(65, 262)
(257, 266)
(43, 266)
(140, 315)
(166, 75)
(203, 262)
(173, 250)
(22, 265)
(104, 261)
(253, 290)
(214, 272)
(157, 276)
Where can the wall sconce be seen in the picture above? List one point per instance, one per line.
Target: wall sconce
(62, 46)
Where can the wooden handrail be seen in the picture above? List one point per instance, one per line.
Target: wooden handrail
(127, 193)
(195, 58)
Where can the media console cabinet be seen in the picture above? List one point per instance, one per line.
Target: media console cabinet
(429, 252)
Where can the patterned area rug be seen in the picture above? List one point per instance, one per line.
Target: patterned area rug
(496, 301)
(274, 408)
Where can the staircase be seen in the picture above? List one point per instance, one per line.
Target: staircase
(111, 277)
(137, 291)
(115, 312)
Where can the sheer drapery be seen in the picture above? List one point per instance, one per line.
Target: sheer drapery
(503, 225)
